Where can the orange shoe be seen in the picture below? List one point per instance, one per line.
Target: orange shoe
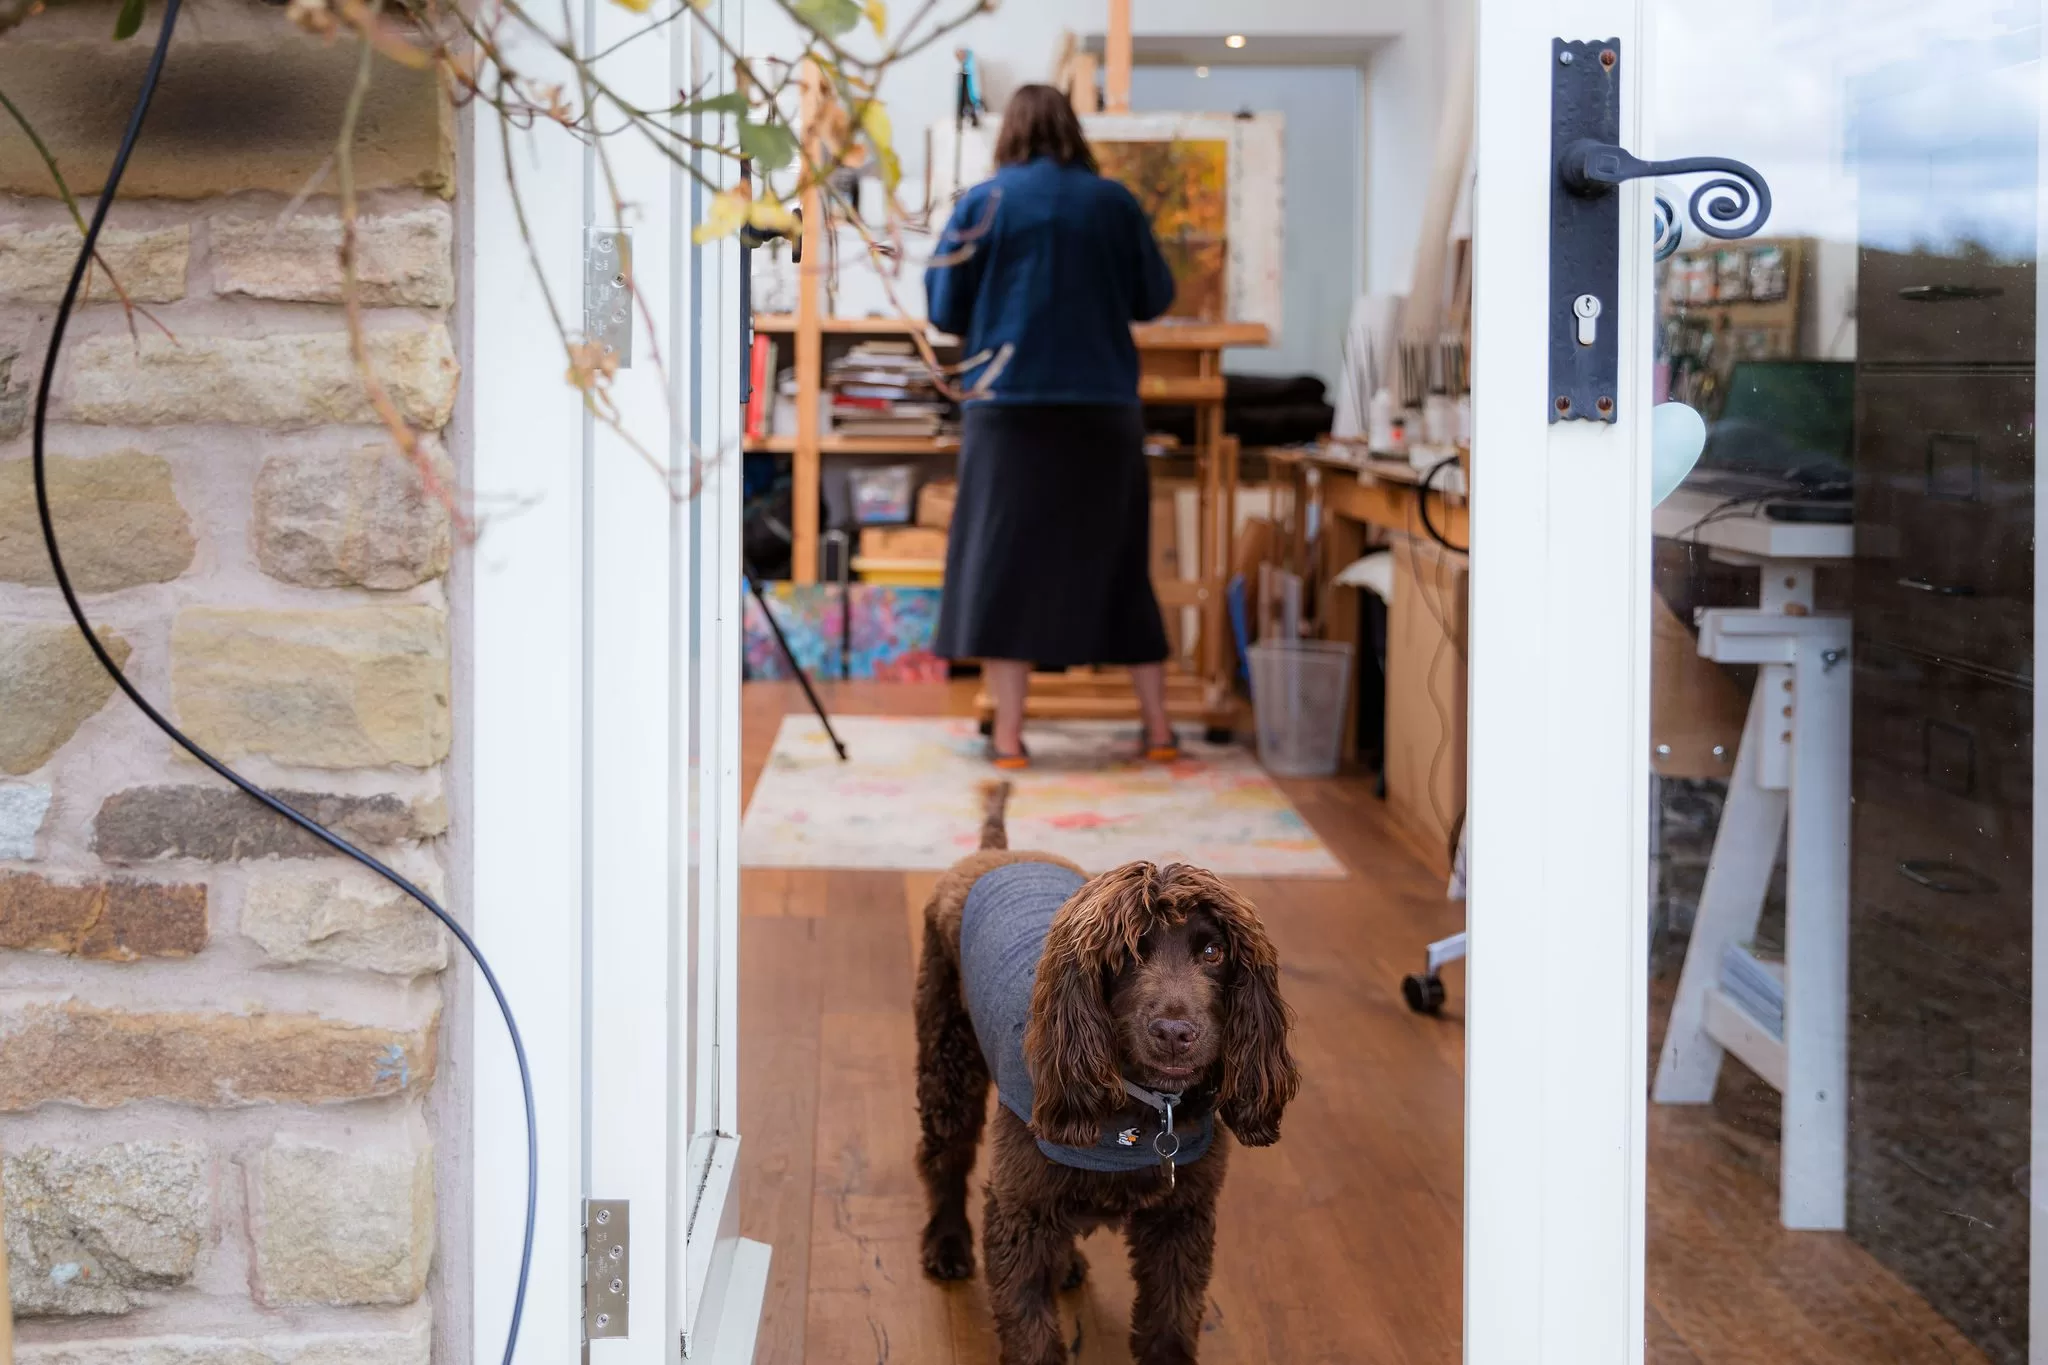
(1160, 753)
(1008, 763)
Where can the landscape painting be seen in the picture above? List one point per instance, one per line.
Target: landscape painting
(1184, 186)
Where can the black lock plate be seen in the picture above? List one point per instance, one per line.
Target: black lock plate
(1585, 233)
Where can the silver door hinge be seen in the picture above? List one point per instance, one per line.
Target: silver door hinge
(607, 1267)
(608, 292)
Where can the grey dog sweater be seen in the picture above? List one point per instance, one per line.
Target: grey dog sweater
(1002, 935)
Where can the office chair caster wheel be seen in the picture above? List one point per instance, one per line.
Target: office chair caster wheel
(1424, 994)
(1218, 734)
(987, 728)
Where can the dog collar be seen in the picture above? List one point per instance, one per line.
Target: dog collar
(1165, 1142)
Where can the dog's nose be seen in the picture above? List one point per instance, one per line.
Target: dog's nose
(1177, 1034)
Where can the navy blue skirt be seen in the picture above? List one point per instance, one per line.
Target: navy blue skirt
(1049, 558)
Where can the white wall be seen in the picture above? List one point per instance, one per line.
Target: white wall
(1322, 249)
(1016, 45)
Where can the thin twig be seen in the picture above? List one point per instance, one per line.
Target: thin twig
(128, 305)
(352, 301)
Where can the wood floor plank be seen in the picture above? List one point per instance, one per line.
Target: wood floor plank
(868, 1296)
(780, 990)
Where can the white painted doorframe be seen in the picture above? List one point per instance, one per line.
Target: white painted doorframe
(1558, 892)
(602, 681)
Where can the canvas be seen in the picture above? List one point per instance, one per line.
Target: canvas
(888, 633)
(1254, 203)
(1183, 188)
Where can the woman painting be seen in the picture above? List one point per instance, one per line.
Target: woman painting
(1041, 273)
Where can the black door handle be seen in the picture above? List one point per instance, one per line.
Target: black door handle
(1588, 164)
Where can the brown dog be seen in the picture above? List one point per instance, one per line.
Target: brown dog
(1153, 1009)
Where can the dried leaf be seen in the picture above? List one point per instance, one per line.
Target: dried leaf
(728, 211)
(874, 121)
(878, 14)
(771, 215)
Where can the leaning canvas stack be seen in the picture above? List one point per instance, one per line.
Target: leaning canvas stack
(883, 389)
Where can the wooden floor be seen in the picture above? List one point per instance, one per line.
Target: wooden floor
(1341, 1243)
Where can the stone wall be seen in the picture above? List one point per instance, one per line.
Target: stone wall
(218, 1044)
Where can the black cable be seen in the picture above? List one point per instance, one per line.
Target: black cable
(1422, 499)
(256, 793)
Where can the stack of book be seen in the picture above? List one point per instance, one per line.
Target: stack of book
(884, 389)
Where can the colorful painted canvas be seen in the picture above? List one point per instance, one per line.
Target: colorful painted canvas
(908, 797)
(1183, 185)
(887, 632)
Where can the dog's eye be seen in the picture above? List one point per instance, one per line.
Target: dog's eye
(1212, 954)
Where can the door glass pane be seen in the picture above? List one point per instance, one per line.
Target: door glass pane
(1842, 816)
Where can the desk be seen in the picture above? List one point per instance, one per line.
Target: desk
(1791, 779)
(1380, 501)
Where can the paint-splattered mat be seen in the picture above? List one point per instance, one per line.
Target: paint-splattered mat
(908, 799)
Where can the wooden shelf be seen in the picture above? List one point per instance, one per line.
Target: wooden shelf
(861, 445)
(1157, 336)
(1190, 389)
(782, 323)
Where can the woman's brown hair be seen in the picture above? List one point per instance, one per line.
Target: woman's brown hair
(1039, 121)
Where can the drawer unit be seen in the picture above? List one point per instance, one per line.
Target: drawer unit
(1920, 308)
(1945, 515)
(1940, 986)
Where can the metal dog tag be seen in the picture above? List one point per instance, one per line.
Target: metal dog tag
(1167, 1143)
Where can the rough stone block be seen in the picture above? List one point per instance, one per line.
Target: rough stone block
(410, 1345)
(14, 398)
(334, 1225)
(22, 809)
(35, 263)
(119, 522)
(247, 102)
(289, 380)
(99, 1058)
(89, 1231)
(50, 684)
(354, 687)
(402, 259)
(112, 921)
(352, 518)
(216, 825)
(343, 919)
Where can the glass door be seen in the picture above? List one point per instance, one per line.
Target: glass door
(1752, 1035)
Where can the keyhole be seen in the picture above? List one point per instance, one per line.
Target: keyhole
(1586, 308)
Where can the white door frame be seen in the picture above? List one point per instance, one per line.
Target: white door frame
(602, 852)
(1558, 889)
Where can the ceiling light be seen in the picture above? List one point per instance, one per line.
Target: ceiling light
(1234, 40)
(1202, 73)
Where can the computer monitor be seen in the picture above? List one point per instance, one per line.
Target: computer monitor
(1793, 420)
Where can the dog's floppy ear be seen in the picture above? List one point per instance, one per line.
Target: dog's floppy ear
(1259, 1076)
(1070, 1043)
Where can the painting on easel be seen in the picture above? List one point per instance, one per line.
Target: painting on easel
(1183, 185)
(1213, 183)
